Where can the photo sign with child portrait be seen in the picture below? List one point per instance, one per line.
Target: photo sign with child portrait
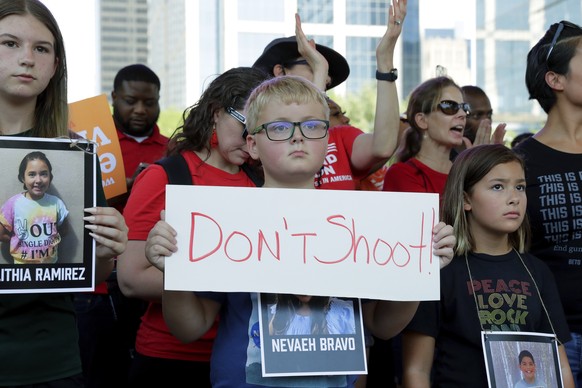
(375, 245)
(44, 246)
(521, 359)
(304, 335)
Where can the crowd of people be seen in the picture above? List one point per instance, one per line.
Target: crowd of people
(509, 239)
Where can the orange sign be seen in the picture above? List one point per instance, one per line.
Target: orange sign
(91, 119)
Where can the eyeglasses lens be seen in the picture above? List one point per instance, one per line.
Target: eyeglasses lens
(284, 130)
(452, 107)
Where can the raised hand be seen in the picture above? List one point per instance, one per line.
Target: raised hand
(314, 58)
(385, 48)
(483, 134)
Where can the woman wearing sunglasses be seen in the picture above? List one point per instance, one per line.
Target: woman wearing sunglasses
(553, 158)
(437, 115)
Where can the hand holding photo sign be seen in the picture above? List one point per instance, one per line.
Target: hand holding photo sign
(315, 242)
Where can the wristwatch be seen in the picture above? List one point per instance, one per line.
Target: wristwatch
(391, 76)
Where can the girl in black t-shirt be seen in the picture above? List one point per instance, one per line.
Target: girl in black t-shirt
(491, 284)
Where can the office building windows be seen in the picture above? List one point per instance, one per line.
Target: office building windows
(480, 14)
(510, 72)
(562, 10)
(260, 10)
(324, 40)
(319, 11)
(362, 60)
(368, 12)
(251, 46)
(480, 54)
(506, 17)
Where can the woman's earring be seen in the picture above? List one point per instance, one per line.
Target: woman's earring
(214, 139)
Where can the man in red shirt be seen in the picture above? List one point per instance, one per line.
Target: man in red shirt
(136, 108)
(107, 320)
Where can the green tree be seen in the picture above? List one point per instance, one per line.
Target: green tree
(169, 120)
(360, 107)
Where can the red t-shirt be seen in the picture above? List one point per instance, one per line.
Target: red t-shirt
(415, 177)
(134, 153)
(141, 213)
(337, 172)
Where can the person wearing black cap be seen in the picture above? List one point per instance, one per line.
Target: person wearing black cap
(282, 56)
(352, 154)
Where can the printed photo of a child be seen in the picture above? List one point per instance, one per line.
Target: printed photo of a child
(41, 203)
(34, 221)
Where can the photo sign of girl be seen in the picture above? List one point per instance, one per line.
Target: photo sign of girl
(44, 246)
(307, 335)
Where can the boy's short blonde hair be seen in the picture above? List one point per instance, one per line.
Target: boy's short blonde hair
(286, 90)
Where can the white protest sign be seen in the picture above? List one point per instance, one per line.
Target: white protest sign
(361, 244)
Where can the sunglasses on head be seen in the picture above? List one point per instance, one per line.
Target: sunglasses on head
(450, 107)
(559, 30)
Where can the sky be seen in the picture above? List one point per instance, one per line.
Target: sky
(448, 14)
(79, 28)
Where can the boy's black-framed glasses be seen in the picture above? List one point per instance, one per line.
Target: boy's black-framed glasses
(284, 130)
(561, 26)
(450, 107)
